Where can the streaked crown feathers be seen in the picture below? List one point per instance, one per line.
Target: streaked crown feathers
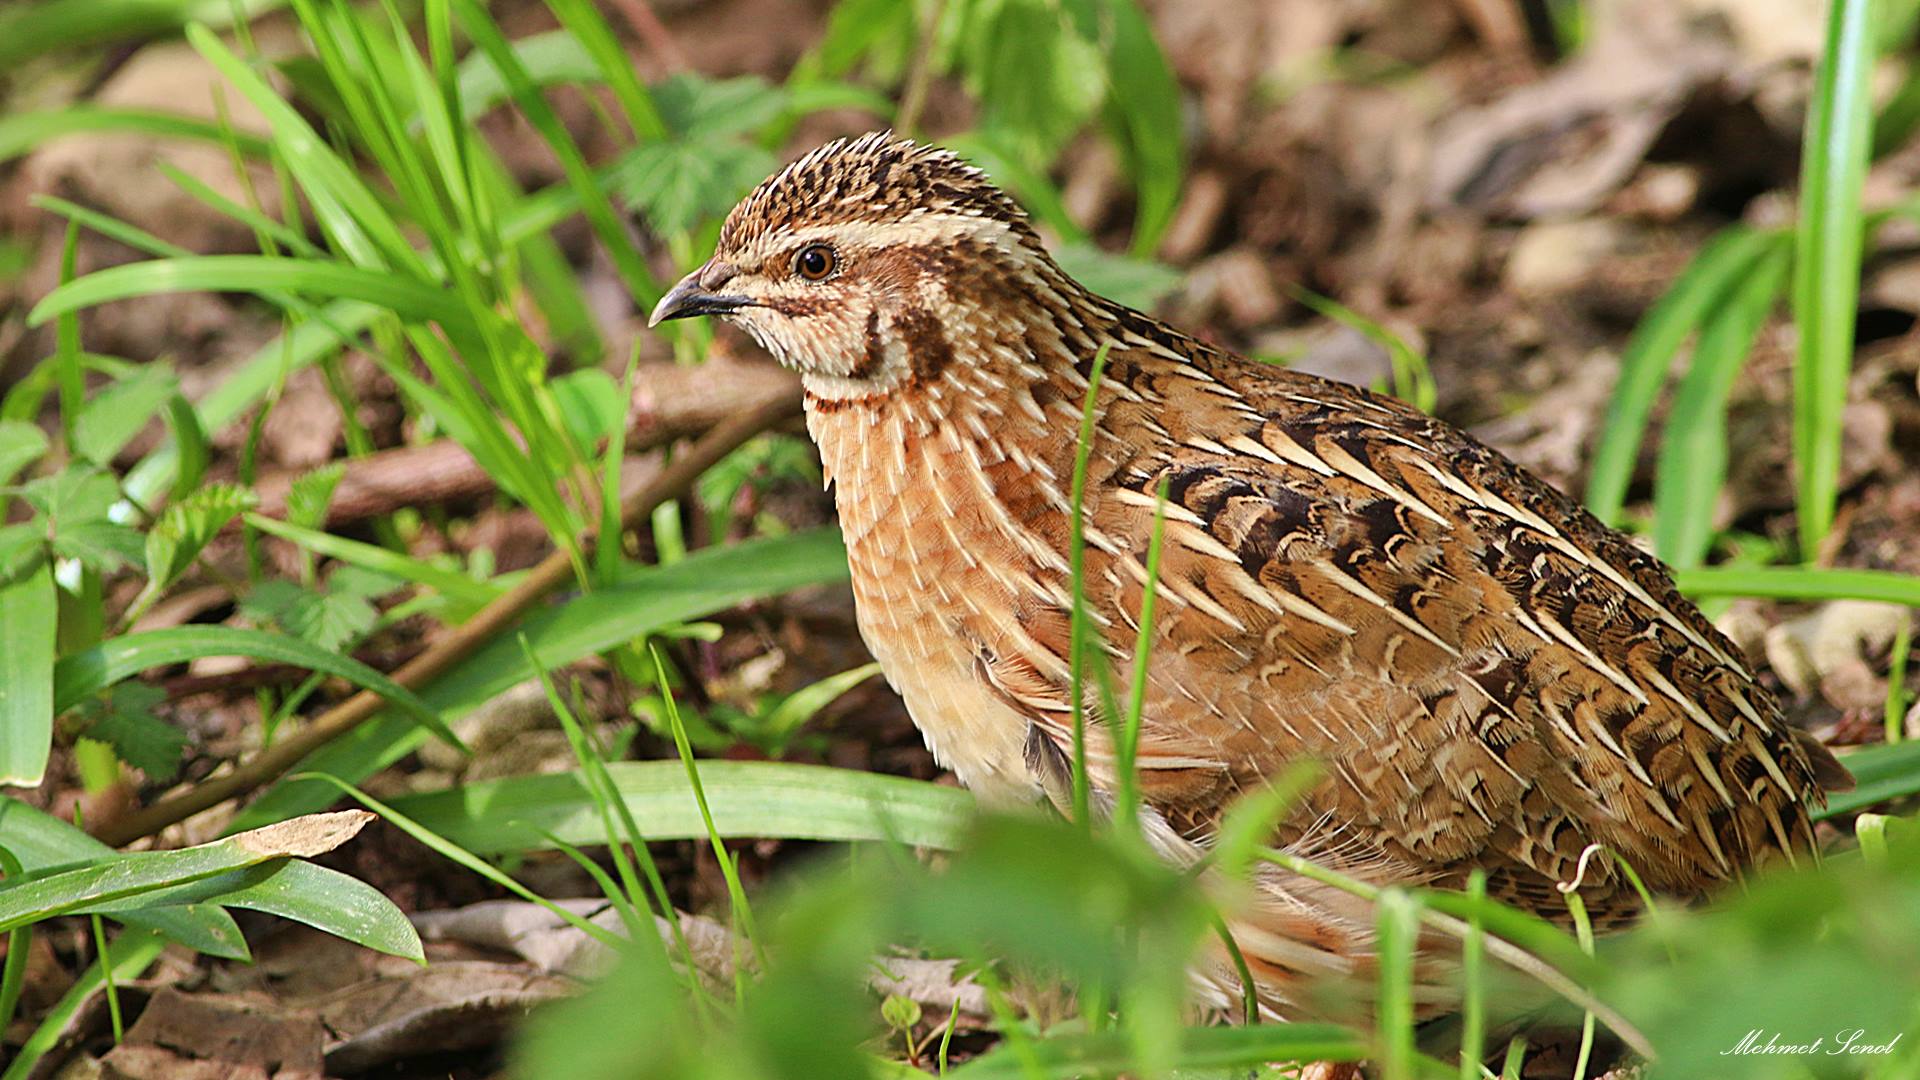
(876, 178)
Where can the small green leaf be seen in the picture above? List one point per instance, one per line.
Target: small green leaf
(679, 184)
(799, 707)
(22, 550)
(192, 451)
(27, 612)
(270, 601)
(21, 444)
(309, 496)
(124, 719)
(186, 526)
(77, 675)
(591, 405)
(1135, 282)
(324, 618)
(698, 106)
(363, 582)
(75, 495)
(115, 415)
(900, 1013)
(100, 545)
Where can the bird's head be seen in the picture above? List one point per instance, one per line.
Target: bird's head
(865, 263)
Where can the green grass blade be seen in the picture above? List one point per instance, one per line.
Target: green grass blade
(1473, 989)
(747, 798)
(1649, 354)
(1800, 583)
(32, 30)
(1397, 928)
(451, 583)
(1692, 463)
(99, 667)
(1827, 248)
(324, 899)
(105, 885)
(1880, 772)
(615, 66)
(41, 842)
(1146, 101)
(409, 298)
(23, 132)
(729, 870)
(28, 611)
(461, 857)
(1199, 1048)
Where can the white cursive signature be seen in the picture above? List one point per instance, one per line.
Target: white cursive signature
(1841, 1042)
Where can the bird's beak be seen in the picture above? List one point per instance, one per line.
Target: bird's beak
(698, 294)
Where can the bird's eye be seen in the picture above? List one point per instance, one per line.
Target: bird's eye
(815, 262)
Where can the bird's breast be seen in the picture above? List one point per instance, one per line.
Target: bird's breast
(938, 562)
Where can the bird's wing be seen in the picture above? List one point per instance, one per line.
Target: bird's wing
(1492, 678)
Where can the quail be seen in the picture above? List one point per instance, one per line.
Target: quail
(1487, 676)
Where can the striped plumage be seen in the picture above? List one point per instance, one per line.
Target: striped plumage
(1490, 677)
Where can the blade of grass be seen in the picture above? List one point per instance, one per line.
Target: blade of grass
(77, 675)
(452, 583)
(27, 615)
(1827, 250)
(1200, 1048)
(467, 860)
(24, 132)
(606, 799)
(1800, 583)
(1079, 634)
(1396, 928)
(13, 977)
(1880, 773)
(34, 29)
(1895, 711)
(411, 299)
(92, 888)
(1726, 259)
(594, 203)
(736, 893)
(1473, 1006)
(615, 67)
(748, 799)
(345, 207)
(1692, 463)
(1127, 749)
(43, 842)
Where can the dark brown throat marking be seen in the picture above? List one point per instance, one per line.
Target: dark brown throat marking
(875, 355)
(928, 350)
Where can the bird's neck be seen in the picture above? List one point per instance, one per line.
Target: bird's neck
(1003, 363)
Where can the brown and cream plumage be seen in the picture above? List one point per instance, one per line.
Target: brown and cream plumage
(1490, 677)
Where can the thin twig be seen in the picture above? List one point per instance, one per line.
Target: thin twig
(914, 101)
(649, 29)
(550, 574)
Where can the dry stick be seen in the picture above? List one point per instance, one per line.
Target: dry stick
(554, 571)
(921, 76)
(648, 28)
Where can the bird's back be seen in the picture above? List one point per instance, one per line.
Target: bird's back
(1492, 678)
